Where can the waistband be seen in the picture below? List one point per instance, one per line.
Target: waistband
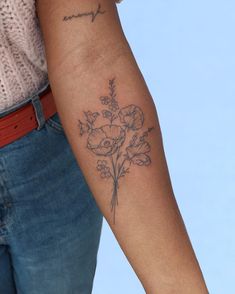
(25, 101)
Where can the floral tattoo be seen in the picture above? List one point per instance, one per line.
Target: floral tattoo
(119, 143)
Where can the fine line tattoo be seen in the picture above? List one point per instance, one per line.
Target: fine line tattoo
(120, 142)
(92, 14)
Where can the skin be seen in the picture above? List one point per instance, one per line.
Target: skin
(83, 54)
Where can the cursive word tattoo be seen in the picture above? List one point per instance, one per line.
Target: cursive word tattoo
(117, 138)
(92, 14)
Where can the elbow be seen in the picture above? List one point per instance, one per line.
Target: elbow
(90, 57)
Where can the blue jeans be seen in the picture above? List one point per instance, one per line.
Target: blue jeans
(50, 224)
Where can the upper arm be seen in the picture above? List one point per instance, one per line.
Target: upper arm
(76, 32)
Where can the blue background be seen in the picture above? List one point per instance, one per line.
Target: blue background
(186, 51)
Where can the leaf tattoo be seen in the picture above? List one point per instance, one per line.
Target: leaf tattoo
(114, 142)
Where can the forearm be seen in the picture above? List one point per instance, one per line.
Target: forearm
(147, 225)
(111, 123)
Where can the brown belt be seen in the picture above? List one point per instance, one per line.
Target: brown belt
(23, 120)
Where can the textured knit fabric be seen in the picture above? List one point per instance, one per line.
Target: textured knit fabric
(23, 68)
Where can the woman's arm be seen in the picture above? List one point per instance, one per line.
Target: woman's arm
(111, 123)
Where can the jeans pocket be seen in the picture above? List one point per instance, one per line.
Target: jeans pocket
(55, 124)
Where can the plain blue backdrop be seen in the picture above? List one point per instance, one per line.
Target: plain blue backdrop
(186, 52)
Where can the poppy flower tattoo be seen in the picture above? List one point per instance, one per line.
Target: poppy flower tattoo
(119, 142)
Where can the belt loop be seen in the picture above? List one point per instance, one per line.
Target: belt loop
(37, 105)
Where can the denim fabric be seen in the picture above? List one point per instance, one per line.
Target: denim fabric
(50, 224)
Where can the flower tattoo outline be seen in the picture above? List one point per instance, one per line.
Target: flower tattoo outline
(109, 141)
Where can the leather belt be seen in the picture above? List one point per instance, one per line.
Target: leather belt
(23, 120)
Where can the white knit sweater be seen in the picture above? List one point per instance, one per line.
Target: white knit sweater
(23, 68)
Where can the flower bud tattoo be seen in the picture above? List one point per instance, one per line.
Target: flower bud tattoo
(119, 142)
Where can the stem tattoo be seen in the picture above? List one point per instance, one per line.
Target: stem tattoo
(120, 142)
(92, 14)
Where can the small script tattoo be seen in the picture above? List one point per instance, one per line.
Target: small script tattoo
(117, 137)
(92, 14)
